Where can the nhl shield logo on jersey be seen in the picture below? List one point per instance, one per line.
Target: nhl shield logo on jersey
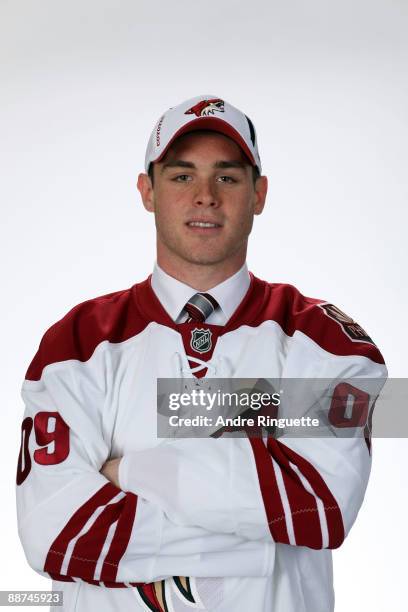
(201, 340)
(352, 329)
(206, 107)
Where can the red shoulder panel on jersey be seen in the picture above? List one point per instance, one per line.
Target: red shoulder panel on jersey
(113, 317)
(323, 323)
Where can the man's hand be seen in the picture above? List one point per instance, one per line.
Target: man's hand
(110, 470)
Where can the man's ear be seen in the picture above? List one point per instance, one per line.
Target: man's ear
(261, 189)
(144, 185)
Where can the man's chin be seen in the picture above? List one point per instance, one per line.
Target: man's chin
(203, 261)
(204, 254)
(206, 259)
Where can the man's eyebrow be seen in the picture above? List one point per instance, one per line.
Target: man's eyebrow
(177, 163)
(231, 164)
(181, 163)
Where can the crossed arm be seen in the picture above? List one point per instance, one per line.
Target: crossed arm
(186, 507)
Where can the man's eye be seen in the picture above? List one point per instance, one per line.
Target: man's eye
(227, 179)
(182, 178)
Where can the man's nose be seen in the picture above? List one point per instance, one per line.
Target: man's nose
(206, 194)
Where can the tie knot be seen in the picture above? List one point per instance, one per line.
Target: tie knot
(200, 306)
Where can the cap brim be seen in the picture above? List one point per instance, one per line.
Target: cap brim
(214, 124)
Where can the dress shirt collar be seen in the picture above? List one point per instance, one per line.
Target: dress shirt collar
(173, 294)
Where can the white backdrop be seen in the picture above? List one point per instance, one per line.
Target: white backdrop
(326, 85)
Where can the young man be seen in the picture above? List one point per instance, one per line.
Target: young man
(123, 520)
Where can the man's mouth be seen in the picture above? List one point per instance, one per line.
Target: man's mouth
(203, 224)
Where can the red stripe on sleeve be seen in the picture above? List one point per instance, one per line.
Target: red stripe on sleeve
(120, 540)
(88, 547)
(270, 492)
(56, 553)
(303, 505)
(333, 513)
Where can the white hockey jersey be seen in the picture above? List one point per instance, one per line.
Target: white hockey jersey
(224, 524)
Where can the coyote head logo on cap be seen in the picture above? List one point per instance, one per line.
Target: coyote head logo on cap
(206, 107)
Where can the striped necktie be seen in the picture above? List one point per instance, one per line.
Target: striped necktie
(199, 307)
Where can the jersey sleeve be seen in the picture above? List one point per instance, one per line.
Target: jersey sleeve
(206, 482)
(76, 525)
(301, 491)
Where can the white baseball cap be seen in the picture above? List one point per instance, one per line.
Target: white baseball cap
(203, 113)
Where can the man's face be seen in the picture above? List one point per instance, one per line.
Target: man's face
(203, 179)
